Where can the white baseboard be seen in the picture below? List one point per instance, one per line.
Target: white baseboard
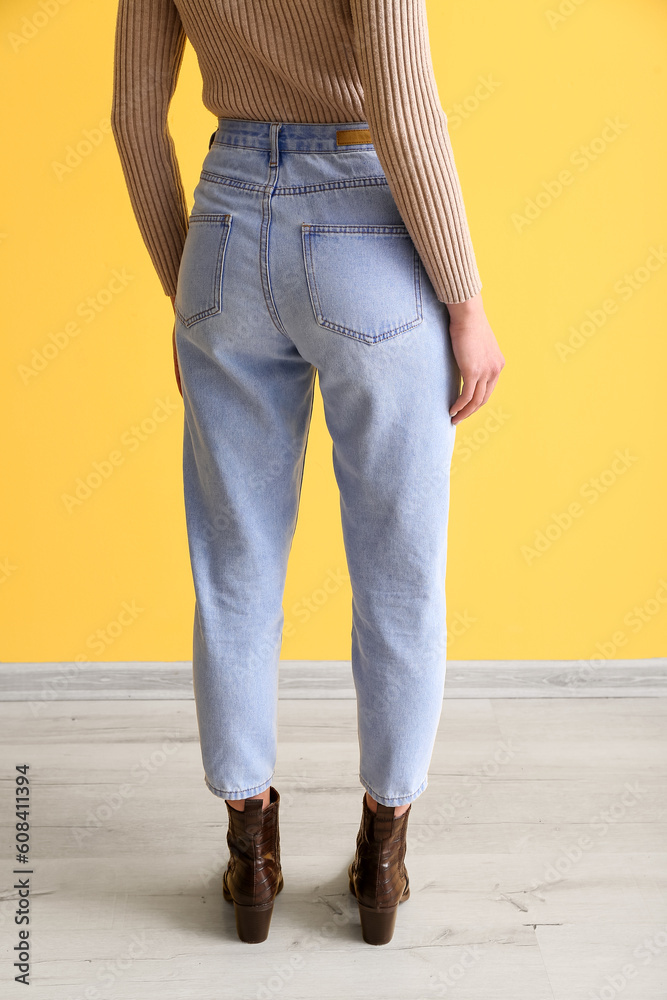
(645, 678)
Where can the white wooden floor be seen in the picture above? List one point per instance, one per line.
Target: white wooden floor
(537, 856)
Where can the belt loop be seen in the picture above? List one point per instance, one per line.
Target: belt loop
(275, 130)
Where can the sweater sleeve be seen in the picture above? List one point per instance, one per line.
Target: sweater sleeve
(148, 52)
(409, 131)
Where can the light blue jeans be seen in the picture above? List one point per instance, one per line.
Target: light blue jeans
(297, 262)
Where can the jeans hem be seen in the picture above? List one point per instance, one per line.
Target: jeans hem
(393, 800)
(242, 793)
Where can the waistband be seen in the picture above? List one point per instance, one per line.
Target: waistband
(292, 136)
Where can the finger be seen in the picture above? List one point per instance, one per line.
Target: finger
(177, 370)
(474, 404)
(490, 386)
(469, 394)
(466, 394)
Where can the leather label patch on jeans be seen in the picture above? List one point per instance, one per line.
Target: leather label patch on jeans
(349, 136)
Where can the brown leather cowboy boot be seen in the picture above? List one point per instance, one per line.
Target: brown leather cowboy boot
(378, 877)
(253, 877)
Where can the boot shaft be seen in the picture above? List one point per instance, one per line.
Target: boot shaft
(378, 869)
(253, 838)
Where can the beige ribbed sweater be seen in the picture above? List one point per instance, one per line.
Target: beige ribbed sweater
(300, 61)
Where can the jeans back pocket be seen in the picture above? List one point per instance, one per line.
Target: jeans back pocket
(364, 280)
(199, 289)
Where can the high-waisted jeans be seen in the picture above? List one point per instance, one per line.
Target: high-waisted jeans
(297, 262)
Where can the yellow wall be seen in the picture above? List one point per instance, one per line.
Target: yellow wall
(536, 88)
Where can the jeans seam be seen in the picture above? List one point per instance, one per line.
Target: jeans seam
(346, 330)
(345, 147)
(303, 461)
(218, 273)
(226, 793)
(224, 179)
(264, 269)
(417, 791)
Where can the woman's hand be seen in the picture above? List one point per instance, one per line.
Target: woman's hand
(477, 355)
(173, 346)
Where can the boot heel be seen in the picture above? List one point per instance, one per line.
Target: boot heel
(253, 922)
(377, 926)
